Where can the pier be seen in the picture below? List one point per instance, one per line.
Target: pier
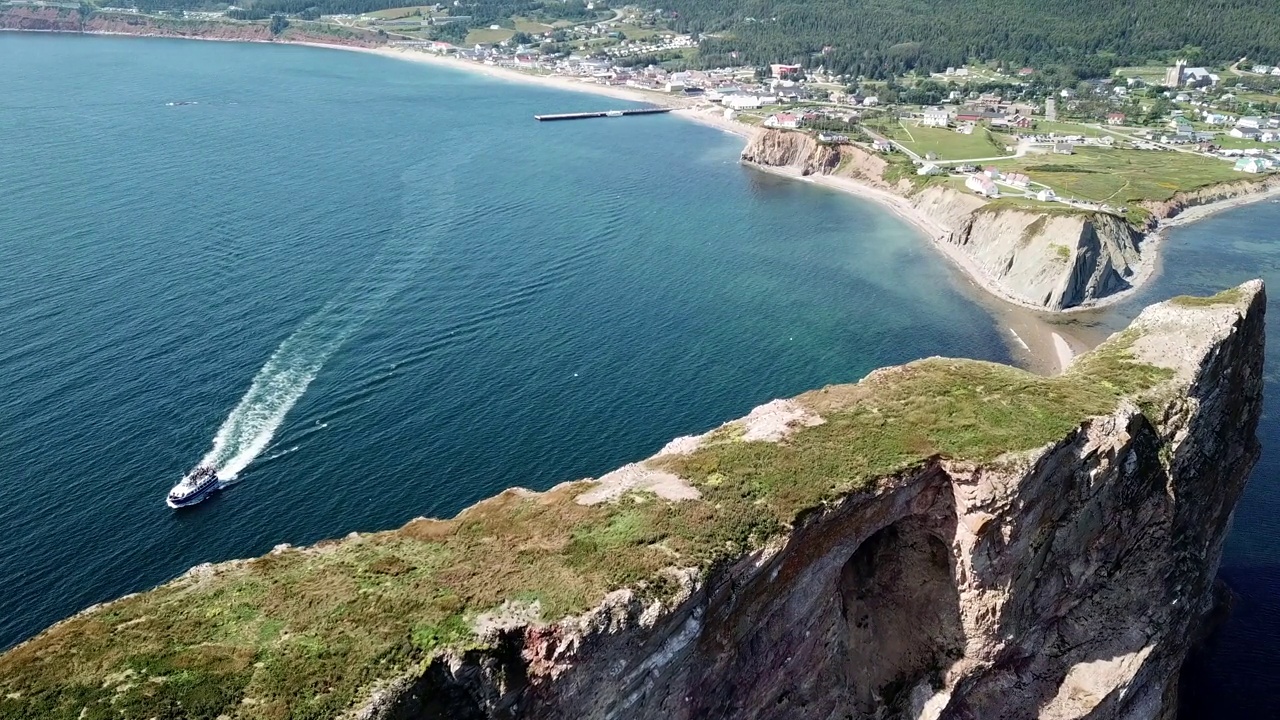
(603, 113)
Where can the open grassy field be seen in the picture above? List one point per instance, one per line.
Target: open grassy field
(1123, 176)
(1066, 128)
(1151, 73)
(635, 32)
(531, 26)
(1226, 141)
(487, 36)
(402, 12)
(947, 143)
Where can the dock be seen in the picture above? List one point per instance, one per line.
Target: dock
(603, 113)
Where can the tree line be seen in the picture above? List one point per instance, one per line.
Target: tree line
(882, 38)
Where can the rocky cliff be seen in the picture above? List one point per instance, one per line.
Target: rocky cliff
(1052, 259)
(946, 539)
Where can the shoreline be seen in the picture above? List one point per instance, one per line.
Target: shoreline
(1048, 352)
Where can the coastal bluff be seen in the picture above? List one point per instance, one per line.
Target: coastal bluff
(1052, 259)
(946, 539)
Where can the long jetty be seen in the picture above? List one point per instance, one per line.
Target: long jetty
(603, 113)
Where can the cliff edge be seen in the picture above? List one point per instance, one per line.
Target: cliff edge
(1054, 258)
(947, 539)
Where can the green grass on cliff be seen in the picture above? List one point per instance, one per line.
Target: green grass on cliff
(1122, 177)
(307, 633)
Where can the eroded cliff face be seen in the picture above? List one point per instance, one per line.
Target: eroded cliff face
(1226, 191)
(948, 539)
(1062, 582)
(1054, 259)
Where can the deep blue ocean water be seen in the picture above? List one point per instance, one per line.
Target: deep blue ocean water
(373, 290)
(377, 290)
(1235, 676)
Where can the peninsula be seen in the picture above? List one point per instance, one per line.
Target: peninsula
(947, 538)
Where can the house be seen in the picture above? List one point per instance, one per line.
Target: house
(1213, 118)
(1180, 126)
(936, 117)
(1063, 148)
(882, 146)
(992, 172)
(1017, 180)
(744, 102)
(982, 185)
(1199, 77)
(1251, 165)
(1244, 133)
(1019, 121)
(1026, 72)
(1261, 69)
(789, 121)
(778, 69)
(1046, 195)
(1252, 121)
(969, 116)
(930, 169)
(870, 101)
(1115, 118)
(931, 155)
(1269, 136)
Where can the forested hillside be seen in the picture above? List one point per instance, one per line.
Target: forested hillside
(884, 37)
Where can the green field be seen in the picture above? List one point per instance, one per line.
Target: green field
(635, 32)
(488, 37)
(533, 27)
(1151, 73)
(1123, 176)
(1226, 141)
(401, 12)
(947, 143)
(1066, 128)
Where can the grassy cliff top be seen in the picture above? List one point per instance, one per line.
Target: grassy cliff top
(306, 633)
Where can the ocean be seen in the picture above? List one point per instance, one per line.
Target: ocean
(369, 290)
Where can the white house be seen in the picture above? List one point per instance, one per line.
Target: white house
(1017, 180)
(936, 117)
(982, 185)
(744, 102)
(882, 146)
(1046, 195)
(1252, 121)
(870, 101)
(929, 169)
(1251, 165)
(789, 121)
(1244, 133)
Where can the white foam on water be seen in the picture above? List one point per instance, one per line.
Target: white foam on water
(281, 382)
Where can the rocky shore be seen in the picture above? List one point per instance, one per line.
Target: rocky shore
(1056, 259)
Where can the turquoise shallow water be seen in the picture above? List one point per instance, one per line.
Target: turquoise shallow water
(438, 297)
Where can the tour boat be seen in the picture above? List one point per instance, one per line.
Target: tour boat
(194, 487)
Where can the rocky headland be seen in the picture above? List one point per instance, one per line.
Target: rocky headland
(1057, 258)
(946, 539)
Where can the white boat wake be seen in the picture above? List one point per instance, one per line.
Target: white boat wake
(281, 382)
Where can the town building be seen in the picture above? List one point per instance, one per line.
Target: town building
(1115, 118)
(982, 185)
(936, 117)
